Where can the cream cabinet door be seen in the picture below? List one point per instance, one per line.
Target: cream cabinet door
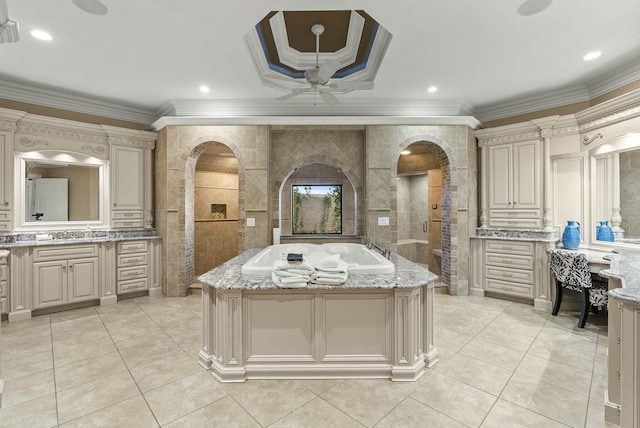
(127, 178)
(83, 279)
(500, 176)
(526, 175)
(49, 284)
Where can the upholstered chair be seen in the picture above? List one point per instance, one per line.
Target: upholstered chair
(570, 270)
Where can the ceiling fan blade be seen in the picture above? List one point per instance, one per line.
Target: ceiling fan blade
(327, 69)
(293, 93)
(350, 85)
(531, 7)
(328, 97)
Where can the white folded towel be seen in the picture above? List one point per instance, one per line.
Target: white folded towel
(291, 275)
(331, 275)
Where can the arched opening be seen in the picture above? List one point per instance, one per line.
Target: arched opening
(316, 181)
(424, 207)
(211, 208)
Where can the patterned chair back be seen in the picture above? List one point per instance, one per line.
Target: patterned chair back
(570, 268)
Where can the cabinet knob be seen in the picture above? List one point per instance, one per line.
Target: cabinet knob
(6, 203)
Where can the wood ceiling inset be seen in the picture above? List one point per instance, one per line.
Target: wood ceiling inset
(282, 45)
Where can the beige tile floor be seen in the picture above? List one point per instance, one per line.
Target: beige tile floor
(133, 364)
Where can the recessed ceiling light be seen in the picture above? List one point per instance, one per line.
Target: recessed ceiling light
(432, 89)
(405, 152)
(41, 35)
(204, 89)
(94, 7)
(591, 55)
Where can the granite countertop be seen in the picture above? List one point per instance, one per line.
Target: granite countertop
(228, 276)
(626, 267)
(507, 234)
(63, 241)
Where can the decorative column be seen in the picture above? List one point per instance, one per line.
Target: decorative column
(616, 218)
(483, 184)
(546, 131)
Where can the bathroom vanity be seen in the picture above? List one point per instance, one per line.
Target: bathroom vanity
(373, 326)
(76, 214)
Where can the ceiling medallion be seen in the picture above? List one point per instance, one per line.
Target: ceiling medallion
(321, 52)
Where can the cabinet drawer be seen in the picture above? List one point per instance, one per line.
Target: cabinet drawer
(132, 273)
(61, 252)
(508, 261)
(6, 226)
(128, 223)
(505, 274)
(514, 214)
(4, 272)
(5, 216)
(510, 247)
(520, 223)
(125, 247)
(510, 288)
(126, 286)
(4, 305)
(126, 215)
(132, 259)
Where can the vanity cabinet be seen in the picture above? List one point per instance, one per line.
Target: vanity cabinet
(127, 186)
(513, 176)
(132, 266)
(6, 181)
(4, 282)
(65, 274)
(509, 267)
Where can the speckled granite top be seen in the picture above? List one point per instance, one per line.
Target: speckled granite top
(626, 267)
(228, 276)
(517, 234)
(74, 237)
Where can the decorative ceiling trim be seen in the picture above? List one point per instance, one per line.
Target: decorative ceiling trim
(305, 60)
(163, 122)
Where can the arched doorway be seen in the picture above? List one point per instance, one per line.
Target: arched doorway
(424, 214)
(212, 208)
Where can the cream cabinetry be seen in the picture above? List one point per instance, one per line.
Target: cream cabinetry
(127, 186)
(132, 266)
(65, 275)
(6, 181)
(509, 267)
(4, 282)
(622, 400)
(513, 177)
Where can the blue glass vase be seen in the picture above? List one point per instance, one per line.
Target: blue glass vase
(571, 235)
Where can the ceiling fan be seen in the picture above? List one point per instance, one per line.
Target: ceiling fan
(8, 28)
(317, 78)
(531, 7)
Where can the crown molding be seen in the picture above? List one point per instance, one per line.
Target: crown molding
(163, 122)
(622, 76)
(77, 103)
(541, 101)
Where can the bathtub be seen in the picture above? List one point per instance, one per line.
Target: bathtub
(361, 260)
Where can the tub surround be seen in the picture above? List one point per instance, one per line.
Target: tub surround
(373, 326)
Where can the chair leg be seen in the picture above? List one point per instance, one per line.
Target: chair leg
(594, 309)
(585, 307)
(558, 301)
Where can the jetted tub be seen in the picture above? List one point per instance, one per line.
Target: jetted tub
(361, 259)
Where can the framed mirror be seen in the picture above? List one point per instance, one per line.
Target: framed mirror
(615, 174)
(57, 190)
